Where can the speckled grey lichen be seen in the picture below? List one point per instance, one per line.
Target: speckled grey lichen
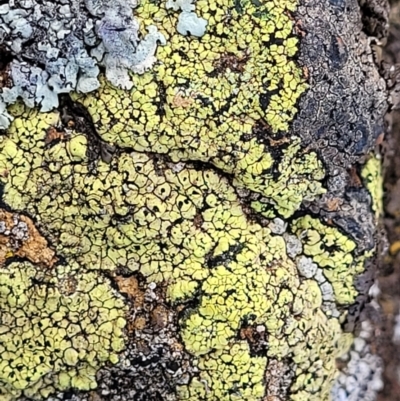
(361, 378)
(278, 226)
(5, 118)
(121, 49)
(306, 267)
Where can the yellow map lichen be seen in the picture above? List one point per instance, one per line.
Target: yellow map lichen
(55, 331)
(372, 176)
(184, 226)
(225, 99)
(209, 99)
(331, 250)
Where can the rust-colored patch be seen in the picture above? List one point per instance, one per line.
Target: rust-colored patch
(394, 248)
(278, 142)
(256, 337)
(130, 286)
(52, 134)
(159, 317)
(198, 220)
(182, 101)
(93, 396)
(306, 74)
(354, 178)
(138, 324)
(299, 28)
(380, 138)
(261, 125)
(333, 204)
(179, 308)
(247, 333)
(232, 62)
(19, 237)
(130, 326)
(341, 363)
(4, 173)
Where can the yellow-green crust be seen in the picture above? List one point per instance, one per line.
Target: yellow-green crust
(56, 331)
(185, 227)
(372, 176)
(332, 251)
(204, 99)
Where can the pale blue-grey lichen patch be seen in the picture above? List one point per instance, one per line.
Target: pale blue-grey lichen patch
(189, 23)
(63, 53)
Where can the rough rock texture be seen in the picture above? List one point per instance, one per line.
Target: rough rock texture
(388, 338)
(341, 113)
(225, 203)
(337, 123)
(19, 237)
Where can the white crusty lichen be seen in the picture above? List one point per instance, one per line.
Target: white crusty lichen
(5, 118)
(361, 378)
(121, 50)
(188, 21)
(58, 46)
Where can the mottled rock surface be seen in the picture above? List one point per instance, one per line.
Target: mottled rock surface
(212, 202)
